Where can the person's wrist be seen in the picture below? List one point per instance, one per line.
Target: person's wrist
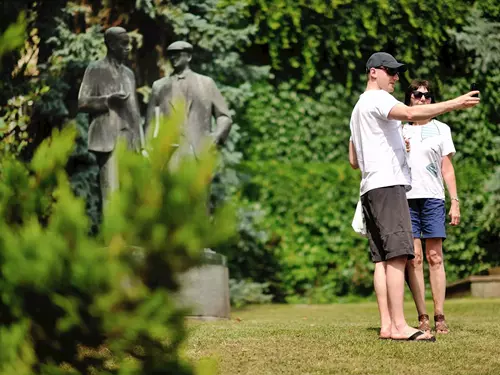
(455, 200)
(456, 103)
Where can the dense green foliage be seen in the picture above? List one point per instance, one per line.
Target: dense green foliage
(14, 35)
(309, 210)
(470, 247)
(74, 304)
(306, 121)
(490, 213)
(303, 37)
(283, 124)
(245, 292)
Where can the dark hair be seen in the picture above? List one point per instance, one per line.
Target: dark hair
(414, 85)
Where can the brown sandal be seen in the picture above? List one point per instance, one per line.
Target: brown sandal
(440, 324)
(423, 323)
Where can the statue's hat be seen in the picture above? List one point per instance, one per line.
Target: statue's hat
(180, 46)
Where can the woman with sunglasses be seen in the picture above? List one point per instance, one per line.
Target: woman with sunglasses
(431, 150)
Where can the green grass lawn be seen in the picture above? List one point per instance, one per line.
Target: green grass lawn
(342, 339)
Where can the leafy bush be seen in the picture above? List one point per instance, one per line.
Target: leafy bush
(251, 255)
(476, 130)
(492, 206)
(471, 247)
(13, 36)
(302, 38)
(284, 124)
(309, 209)
(489, 238)
(84, 174)
(76, 304)
(244, 292)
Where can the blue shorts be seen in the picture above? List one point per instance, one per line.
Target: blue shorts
(428, 217)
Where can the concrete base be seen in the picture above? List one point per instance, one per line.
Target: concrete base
(475, 286)
(205, 289)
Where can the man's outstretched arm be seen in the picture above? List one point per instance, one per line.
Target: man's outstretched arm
(403, 112)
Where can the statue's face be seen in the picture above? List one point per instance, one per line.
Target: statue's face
(120, 46)
(179, 59)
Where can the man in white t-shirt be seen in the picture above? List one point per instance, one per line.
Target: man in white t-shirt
(430, 160)
(378, 149)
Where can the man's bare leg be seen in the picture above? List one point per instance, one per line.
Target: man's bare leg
(380, 284)
(415, 270)
(434, 253)
(395, 274)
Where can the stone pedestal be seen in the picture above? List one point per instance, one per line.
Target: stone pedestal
(487, 286)
(205, 289)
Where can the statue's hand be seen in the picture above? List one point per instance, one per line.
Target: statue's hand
(214, 145)
(117, 98)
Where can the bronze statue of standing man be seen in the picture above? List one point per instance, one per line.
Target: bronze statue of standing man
(203, 101)
(108, 94)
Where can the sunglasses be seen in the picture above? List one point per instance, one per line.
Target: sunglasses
(418, 94)
(389, 71)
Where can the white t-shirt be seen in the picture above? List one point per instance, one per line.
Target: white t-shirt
(378, 142)
(429, 144)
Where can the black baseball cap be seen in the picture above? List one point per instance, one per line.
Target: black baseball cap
(385, 59)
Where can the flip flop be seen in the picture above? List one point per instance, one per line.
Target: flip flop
(415, 335)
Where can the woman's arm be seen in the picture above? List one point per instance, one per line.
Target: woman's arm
(449, 177)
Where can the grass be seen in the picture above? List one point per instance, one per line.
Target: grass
(342, 339)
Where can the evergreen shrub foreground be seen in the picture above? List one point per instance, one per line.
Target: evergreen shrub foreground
(74, 304)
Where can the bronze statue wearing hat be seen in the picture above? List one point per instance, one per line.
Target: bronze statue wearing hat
(202, 100)
(108, 94)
